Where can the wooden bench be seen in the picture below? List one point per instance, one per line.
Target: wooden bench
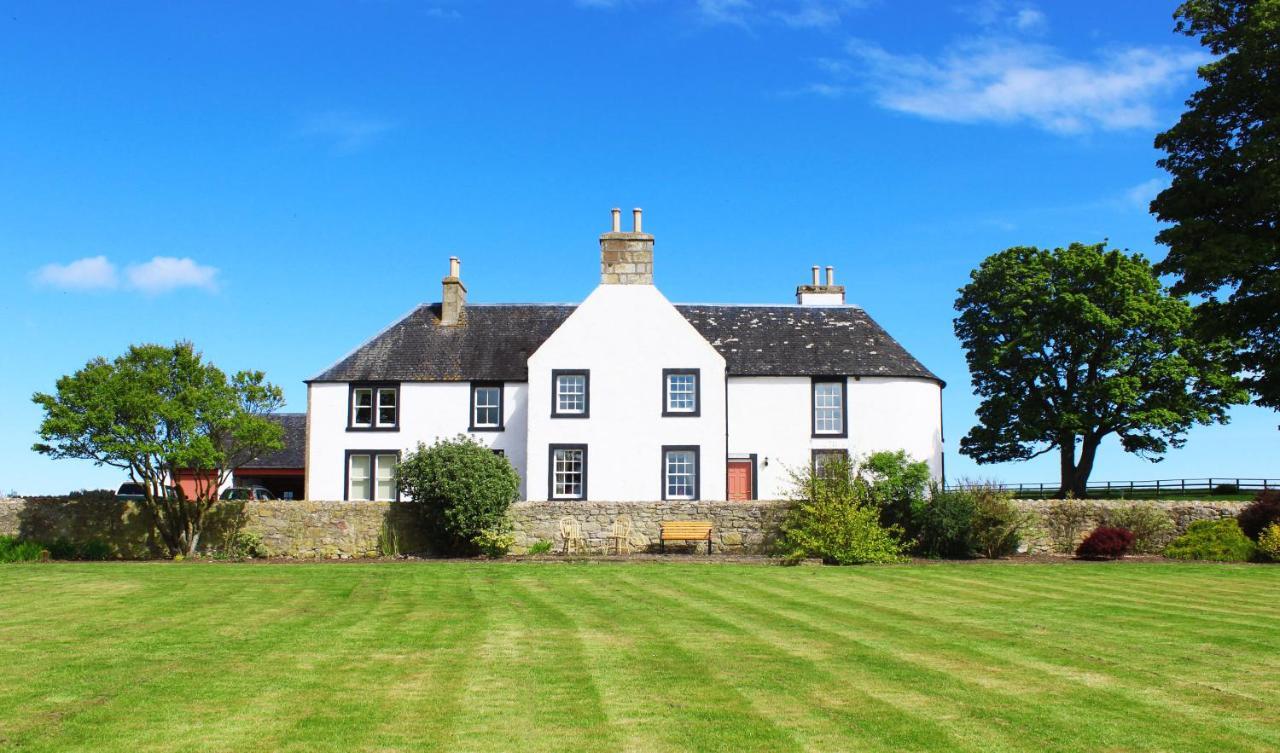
(684, 530)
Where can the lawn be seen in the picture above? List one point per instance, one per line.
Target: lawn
(642, 657)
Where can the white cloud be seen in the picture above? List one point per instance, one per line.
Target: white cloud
(1140, 196)
(344, 131)
(731, 12)
(1029, 19)
(1001, 80)
(165, 273)
(89, 273)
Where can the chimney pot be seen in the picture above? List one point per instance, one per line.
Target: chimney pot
(455, 267)
(816, 279)
(831, 275)
(617, 220)
(635, 220)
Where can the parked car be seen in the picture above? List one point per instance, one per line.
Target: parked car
(244, 493)
(132, 492)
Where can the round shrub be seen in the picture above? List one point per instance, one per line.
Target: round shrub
(1106, 543)
(942, 523)
(1220, 540)
(834, 517)
(1152, 528)
(463, 490)
(1269, 542)
(1261, 513)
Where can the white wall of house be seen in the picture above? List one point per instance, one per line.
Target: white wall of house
(428, 410)
(771, 418)
(626, 335)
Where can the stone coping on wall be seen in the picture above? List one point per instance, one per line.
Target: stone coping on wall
(344, 529)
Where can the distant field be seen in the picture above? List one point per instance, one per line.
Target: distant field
(638, 657)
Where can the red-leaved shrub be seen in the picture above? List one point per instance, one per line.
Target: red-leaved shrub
(1261, 513)
(1106, 543)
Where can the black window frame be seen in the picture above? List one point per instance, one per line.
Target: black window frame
(551, 471)
(844, 408)
(374, 386)
(697, 470)
(817, 451)
(586, 392)
(373, 479)
(502, 406)
(697, 392)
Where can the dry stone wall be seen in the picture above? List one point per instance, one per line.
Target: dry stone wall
(346, 530)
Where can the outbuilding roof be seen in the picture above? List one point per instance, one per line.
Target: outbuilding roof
(495, 340)
(293, 454)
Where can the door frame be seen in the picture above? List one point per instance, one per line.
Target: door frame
(755, 473)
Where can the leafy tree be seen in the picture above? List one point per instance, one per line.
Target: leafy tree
(156, 410)
(464, 490)
(1224, 200)
(1070, 346)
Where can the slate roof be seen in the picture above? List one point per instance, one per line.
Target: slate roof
(293, 454)
(496, 340)
(801, 341)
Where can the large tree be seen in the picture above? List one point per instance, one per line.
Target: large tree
(1224, 200)
(157, 410)
(1070, 346)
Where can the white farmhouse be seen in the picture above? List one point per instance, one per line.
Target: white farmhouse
(625, 396)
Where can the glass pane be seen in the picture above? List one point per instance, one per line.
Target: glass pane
(680, 473)
(828, 408)
(362, 407)
(567, 470)
(680, 392)
(487, 411)
(386, 407)
(386, 484)
(358, 477)
(571, 393)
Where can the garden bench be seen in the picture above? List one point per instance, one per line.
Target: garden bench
(684, 530)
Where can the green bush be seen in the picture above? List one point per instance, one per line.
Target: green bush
(462, 489)
(941, 525)
(1064, 521)
(1260, 513)
(541, 546)
(93, 550)
(998, 524)
(1269, 542)
(834, 517)
(13, 549)
(1152, 528)
(494, 542)
(1220, 540)
(896, 485)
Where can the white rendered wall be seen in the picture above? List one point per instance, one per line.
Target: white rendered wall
(770, 417)
(428, 410)
(626, 335)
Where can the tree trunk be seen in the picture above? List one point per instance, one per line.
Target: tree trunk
(1075, 475)
(1067, 465)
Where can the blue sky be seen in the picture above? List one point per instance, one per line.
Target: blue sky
(277, 182)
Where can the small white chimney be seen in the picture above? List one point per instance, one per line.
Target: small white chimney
(818, 294)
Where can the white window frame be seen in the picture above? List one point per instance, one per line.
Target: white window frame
(378, 462)
(688, 467)
(561, 377)
(555, 472)
(822, 391)
(477, 389)
(693, 393)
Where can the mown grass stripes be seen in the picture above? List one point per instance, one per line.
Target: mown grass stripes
(644, 657)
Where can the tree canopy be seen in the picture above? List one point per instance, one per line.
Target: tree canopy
(157, 410)
(1224, 200)
(1071, 345)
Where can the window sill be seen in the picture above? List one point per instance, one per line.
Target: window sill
(571, 415)
(681, 414)
(486, 428)
(373, 428)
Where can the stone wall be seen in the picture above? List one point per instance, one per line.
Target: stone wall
(736, 527)
(342, 530)
(1182, 513)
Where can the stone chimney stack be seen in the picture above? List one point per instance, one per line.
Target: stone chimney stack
(455, 295)
(626, 258)
(817, 294)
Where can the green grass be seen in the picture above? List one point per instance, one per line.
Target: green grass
(645, 657)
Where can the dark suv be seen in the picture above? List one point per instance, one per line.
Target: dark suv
(245, 493)
(131, 492)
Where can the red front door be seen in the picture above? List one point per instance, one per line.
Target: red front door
(740, 486)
